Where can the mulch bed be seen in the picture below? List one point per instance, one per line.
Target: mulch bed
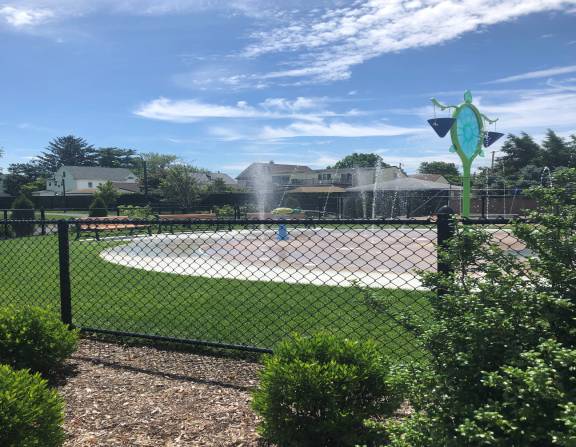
(141, 396)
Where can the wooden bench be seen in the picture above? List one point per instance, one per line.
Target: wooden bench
(111, 223)
(193, 216)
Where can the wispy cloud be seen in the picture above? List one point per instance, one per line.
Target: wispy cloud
(22, 17)
(191, 110)
(336, 129)
(329, 45)
(555, 71)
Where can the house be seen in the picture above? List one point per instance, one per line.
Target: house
(84, 180)
(438, 178)
(207, 178)
(270, 176)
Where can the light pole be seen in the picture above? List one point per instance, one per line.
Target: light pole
(64, 189)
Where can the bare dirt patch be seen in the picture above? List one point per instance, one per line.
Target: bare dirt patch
(141, 396)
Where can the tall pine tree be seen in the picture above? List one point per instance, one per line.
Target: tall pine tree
(557, 152)
(67, 151)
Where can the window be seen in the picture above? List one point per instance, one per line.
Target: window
(89, 184)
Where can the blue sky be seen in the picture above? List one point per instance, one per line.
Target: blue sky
(225, 83)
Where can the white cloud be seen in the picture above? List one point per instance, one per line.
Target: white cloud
(336, 129)
(19, 17)
(555, 71)
(329, 45)
(191, 110)
(554, 109)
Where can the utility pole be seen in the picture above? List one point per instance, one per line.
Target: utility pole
(145, 178)
(492, 166)
(64, 188)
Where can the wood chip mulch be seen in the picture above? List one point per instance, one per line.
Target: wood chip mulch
(141, 396)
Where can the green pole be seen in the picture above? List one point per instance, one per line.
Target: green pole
(466, 190)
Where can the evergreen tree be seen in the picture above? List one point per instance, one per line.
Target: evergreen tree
(68, 151)
(115, 157)
(518, 153)
(557, 152)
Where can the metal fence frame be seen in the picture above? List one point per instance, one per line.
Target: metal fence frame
(444, 225)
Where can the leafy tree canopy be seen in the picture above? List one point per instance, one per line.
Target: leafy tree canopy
(448, 170)
(179, 185)
(360, 160)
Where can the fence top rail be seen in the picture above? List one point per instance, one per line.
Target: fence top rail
(116, 219)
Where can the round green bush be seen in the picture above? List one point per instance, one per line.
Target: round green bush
(23, 209)
(31, 414)
(98, 208)
(318, 391)
(35, 339)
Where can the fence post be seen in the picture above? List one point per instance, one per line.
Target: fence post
(445, 231)
(6, 233)
(65, 289)
(43, 219)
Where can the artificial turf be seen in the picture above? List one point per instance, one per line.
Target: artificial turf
(254, 313)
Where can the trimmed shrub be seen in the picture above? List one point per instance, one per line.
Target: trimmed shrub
(23, 209)
(98, 208)
(318, 391)
(31, 414)
(35, 339)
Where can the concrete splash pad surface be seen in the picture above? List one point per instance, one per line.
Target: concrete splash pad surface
(371, 258)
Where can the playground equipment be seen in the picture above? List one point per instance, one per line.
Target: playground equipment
(467, 133)
(282, 234)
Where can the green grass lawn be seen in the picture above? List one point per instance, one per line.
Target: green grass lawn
(108, 296)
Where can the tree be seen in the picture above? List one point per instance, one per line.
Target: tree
(180, 185)
(115, 157)
(557, 152)
(218, 185)
(68, 151)
(360, 160)
(24, 177)
(518, 152)
(98, 208)
(107, 192)
(448, 170)
(156, 166)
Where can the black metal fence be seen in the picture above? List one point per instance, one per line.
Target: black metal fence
(237, 284)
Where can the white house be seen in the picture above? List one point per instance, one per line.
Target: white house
(84, 180)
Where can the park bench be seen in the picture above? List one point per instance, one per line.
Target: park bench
(190, 216)
(112, 223)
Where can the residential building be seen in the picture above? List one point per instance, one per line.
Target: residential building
(207, 178)
(84, 180)
(430, 177)
(270, 176)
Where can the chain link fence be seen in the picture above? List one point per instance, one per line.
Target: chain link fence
(242, 284)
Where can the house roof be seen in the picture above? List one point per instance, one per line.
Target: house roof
(405, 184)
(430, 177)
(97, 172)
(207, 177)
(256, 169)
(316, 189)
(129, 187)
